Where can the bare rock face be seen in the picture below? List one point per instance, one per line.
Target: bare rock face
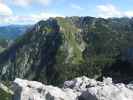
(81, 88)
(31, 90)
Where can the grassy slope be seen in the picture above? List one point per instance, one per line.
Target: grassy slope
(69, 31)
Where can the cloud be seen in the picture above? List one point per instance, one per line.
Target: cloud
(37, 17)
(45, 2)
(77, 7)
(5, 10)
(8, 17)
(29, 19)
(110, 10)
(129, 13)
(24, 3)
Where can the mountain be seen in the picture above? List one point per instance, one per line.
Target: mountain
(59, 49)
(12, 31)
(9, 33)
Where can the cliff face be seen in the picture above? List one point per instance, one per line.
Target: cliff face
(34, 54)
(28, 52)
(62, 48)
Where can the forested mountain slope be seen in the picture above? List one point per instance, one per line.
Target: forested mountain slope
(59, 49)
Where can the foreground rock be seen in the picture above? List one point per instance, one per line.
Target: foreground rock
(81, 88)
(31, 90)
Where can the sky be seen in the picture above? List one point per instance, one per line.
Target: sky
(31, 11)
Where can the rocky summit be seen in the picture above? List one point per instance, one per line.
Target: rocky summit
(81, 88)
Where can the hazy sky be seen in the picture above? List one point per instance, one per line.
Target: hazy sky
(31, 11)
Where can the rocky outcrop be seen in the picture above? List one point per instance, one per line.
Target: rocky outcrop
(81, 88)
(31, 90)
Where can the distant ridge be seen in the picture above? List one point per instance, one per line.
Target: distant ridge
(12, 31)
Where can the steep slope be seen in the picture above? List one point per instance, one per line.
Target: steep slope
(62, 48)
(34, 55)
(27, 51)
